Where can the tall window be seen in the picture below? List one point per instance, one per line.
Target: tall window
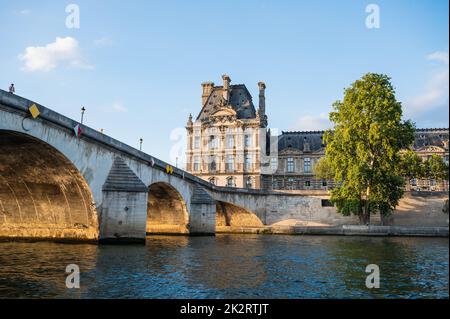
(248, 182)
(274, 163)
(196, 164)
(212, 164)
(248, 162)
(290, 164)
(230, 163)
(212, 142)
(247, 141)
(197, 142)
(230, 141)
(307, 165)
(230, 182)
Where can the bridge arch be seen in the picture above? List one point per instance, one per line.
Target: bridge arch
(42, 193)
(167, 212)
(228, 214)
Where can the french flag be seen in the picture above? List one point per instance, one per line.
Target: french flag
(78, 130)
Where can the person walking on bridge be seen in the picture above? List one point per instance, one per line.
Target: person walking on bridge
(12, 90)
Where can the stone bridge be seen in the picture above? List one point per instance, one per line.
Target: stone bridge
(55, 184)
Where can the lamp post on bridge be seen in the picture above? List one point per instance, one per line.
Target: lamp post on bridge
(140, 143)
(82, 113)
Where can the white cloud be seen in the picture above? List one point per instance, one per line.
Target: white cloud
(118, 107)
(440, 56)
(103, 42)
(46, 58)
(435, 93)
(312, 122)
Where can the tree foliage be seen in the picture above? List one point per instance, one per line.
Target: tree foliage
(322, 168)
(411, 165)
(363, 148)
(436, 168)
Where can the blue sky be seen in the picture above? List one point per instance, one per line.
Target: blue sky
(137, 66)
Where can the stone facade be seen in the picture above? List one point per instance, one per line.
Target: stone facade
(428, 142)
(228, 114)
(299, 151)
(224, 140)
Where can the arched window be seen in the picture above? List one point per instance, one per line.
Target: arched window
(230, 182)
(212, 180)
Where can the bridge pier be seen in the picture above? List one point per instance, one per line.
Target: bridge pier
(202, 220)
(123, 214)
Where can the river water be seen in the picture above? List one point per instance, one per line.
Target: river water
(229, 266)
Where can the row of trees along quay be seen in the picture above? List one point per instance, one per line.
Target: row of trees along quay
(369, 150)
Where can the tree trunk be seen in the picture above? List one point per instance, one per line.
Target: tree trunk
(365, 220)
(362, 212)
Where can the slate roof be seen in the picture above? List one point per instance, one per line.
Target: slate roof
(297, 140)
(240, 100)
(423, 137)
(431, 137)
(122, 178)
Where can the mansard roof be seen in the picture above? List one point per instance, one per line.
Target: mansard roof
(423, 137)
(431, 137)
(240, 101)
(298, 139)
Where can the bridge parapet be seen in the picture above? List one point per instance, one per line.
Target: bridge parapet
(22, 105)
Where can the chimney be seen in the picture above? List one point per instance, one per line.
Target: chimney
(262, 103)
(226, 87)
(207, 89)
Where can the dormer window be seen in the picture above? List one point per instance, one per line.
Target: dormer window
(306, 147)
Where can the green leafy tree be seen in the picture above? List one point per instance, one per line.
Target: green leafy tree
(363, 148)
(322, 168)
(436, 168)
(411, 165)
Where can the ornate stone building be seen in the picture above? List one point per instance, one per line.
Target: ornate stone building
(224, 140)
(426, 143)
(299, 151)
(293, 166)
(227, 145)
